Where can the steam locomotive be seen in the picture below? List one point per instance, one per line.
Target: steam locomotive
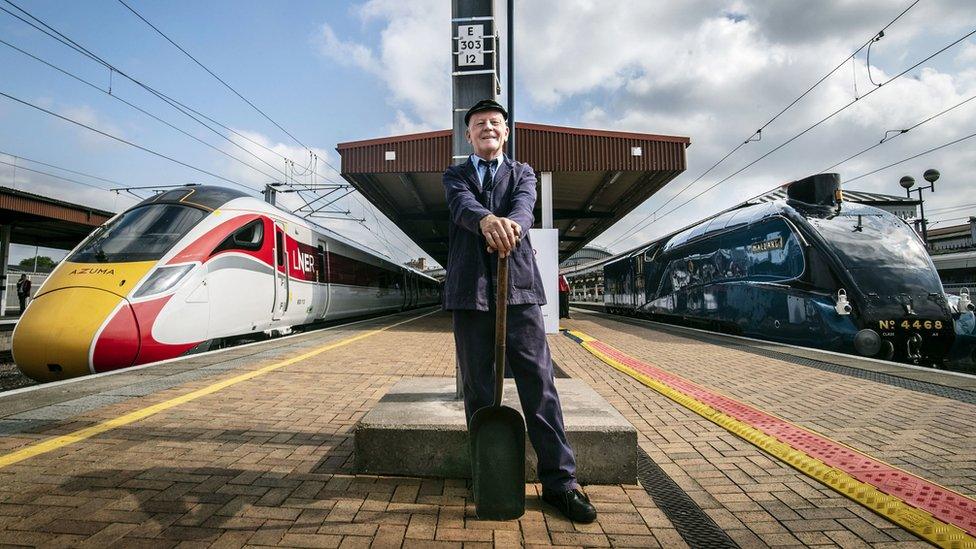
(810, 270)
(185, 270)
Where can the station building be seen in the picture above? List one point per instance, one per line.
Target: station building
(953, 251)
(34, 220)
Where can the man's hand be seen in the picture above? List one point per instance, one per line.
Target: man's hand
(501, 233)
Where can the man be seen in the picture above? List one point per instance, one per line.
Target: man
(491, 198)
(563, 297)
(23, 291)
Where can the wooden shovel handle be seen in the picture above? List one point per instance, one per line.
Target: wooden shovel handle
(501, 312)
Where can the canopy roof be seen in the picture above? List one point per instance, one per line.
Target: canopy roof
(597, 177)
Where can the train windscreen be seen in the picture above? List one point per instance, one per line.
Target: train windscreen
(141, 234)
(882, 253)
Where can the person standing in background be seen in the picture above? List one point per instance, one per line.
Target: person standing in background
(563, 297)
(23, 291)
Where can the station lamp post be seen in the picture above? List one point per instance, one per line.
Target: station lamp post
(930, 175)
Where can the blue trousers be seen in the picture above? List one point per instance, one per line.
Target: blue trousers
(527, 354)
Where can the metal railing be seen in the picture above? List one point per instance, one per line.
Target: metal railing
(9, 304)
(954, 288)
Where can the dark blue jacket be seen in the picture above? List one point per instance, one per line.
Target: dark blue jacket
(470, 268)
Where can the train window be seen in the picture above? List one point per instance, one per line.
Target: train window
(280, 243)
(767, 251)
(880, 251)
(320, 264)
(143, 233)
(248, 237)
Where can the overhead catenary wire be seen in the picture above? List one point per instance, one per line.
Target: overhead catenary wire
(948, 208)
(758, 132)
(930, 223)
(188, 111)
(803, 132)
(63, 169)
(145, 112)
(219, 79)
(228, 86)
(913, 157)
(48, 174)
(898, 133)
(125, 141)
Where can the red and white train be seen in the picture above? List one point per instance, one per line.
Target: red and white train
(186, 269)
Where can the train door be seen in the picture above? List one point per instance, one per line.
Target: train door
(416, 290)
(402, 286)
(323, 288)
(280, 274)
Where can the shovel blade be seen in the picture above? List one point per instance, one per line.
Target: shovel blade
(498, 463)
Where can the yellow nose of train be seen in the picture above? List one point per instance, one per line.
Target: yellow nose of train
(64, 332)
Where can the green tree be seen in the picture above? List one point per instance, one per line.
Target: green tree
(44, 263)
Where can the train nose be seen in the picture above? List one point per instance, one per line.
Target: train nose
(75, 331)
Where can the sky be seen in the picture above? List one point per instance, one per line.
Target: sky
(329, 72)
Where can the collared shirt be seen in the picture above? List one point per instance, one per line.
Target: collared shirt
(481, 169)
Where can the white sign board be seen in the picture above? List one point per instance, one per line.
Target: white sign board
(470, 45)
(545, 245)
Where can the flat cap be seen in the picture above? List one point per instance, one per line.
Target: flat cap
(485, 105)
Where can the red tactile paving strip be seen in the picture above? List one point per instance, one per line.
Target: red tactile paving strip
(942, 503)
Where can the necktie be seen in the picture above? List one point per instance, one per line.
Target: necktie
(487, 180)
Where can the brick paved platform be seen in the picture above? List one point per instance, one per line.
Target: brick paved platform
(269, 461)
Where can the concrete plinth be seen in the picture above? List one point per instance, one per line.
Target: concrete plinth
(418, 429)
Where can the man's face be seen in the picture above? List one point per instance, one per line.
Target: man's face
(487, 133)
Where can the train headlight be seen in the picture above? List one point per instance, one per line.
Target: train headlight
(163, 279)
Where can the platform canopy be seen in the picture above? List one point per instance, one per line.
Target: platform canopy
(39, 220)
(597, 177)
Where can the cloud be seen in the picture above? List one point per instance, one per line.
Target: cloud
(410, 58)
(268, 161)
(90, 117)
(346, 53)
(967, 55)
(716, 71)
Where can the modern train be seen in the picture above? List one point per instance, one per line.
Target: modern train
(185, 270)
(810, 270)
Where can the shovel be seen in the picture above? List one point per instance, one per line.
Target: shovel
(497, 435)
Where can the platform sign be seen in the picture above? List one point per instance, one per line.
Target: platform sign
(545, 245)
(474, 45)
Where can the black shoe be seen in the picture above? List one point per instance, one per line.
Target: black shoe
(572, 503)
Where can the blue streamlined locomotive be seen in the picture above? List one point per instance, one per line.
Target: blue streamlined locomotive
(810, 270)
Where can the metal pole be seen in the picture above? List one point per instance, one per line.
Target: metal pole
(511, 79)
(470, 87)
(921, 207)
(5, 232)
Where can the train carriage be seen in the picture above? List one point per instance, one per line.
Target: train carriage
(810, 270)
(189, 268)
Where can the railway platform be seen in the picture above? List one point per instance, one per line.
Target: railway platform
(254, 446)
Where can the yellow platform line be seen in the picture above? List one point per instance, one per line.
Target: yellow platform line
(917, 521)
(142, 413)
